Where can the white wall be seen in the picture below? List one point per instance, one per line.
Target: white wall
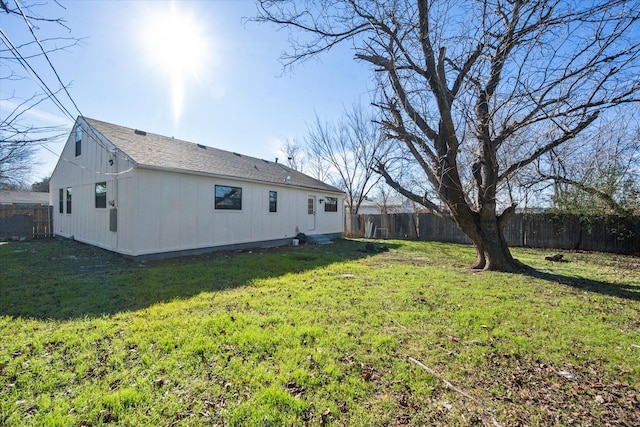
(175, 211)
(86, 222)
(161, 211)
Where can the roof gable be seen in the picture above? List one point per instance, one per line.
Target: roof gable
(160, 152)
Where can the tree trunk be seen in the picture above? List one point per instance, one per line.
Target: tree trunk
(491, 248)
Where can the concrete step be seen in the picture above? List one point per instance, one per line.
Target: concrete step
(319, 240)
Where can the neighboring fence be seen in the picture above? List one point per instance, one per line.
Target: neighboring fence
(611, 234)
(25, 222)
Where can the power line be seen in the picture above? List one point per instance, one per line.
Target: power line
(92, 134)
(86, 168)
(34, 75)
(26, 20)
(50, 94)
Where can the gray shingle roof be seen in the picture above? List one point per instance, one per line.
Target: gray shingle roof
(23, 197)
(161, 152)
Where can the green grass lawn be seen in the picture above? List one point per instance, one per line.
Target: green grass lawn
(312, 335)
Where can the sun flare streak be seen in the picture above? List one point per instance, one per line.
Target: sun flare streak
(175, 43)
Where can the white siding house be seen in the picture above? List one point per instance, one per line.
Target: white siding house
(389, 205)
(141, 194)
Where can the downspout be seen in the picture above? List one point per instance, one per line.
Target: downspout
(115, 198)
(115, 193)
(115, 179)
(49, 225)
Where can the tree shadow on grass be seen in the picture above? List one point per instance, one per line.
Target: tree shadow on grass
(619, 290)
(60, 279)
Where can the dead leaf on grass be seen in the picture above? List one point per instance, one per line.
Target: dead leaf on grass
(325, 415)
(295, 389)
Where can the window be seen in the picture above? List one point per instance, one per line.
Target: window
(78, 141)
(331, 204)
(229, 198)
(61, 200)
(101, 195)
(311, 205)
(273, 201)
(68, 200)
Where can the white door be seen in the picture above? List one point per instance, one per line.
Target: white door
(311, 213)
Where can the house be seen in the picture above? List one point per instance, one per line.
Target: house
(147, 195)
(24, 198)
(388, 205)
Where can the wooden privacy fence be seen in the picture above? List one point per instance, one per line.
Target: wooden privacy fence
(25, 222)
(608, 234)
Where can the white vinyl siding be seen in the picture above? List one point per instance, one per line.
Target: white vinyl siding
(163, 211)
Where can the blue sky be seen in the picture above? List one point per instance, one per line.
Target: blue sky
(225, 70)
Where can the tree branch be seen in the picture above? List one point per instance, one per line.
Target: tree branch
(568, 134)
(605, 197)
(422, 200)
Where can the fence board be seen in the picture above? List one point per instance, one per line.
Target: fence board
(440, 229)
(404, 224)
(569, 232)
(25, 222)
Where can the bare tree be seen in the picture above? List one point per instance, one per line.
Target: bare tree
(294, 153)
(470, 79)
(318, 169)
(19, 138)
(41, 186)
(19, 142)
(348, 150)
